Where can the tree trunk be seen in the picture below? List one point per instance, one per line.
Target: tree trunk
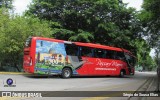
(15, 65)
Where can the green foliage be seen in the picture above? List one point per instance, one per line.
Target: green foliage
(82, 36)
(151, 21)
(6, 4)
(107, 22)
(143, 57)
(150, 63)
(14, 30)
(150, 18)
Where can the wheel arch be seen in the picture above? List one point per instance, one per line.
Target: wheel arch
(124, 71)
(68, 67)
(64, 69)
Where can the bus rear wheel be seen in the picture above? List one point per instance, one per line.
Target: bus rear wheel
(66, 73)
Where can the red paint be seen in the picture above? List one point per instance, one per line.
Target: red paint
(96, 66)
(92, 66)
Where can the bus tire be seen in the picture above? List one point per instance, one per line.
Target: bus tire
(121, 73)
(66, 73)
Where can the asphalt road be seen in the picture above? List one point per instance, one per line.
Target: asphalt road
(54, 83)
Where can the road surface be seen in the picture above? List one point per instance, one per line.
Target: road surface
(54, 83)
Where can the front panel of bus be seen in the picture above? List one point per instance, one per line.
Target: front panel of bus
(131, 61)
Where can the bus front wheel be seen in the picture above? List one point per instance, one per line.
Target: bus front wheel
(66, 73)
(121, 73)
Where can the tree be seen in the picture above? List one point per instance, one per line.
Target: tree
(6, 3)
(151, 18)
(151, 22)
(14, 30)
(107, 22)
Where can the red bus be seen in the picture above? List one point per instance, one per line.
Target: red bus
(58, 57)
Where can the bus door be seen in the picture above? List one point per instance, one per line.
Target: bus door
(101, 63)
(112, 61)
(120, 62)
(76, 60)
(85, 55)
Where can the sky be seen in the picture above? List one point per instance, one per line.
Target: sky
(21, 5)
(134, 3)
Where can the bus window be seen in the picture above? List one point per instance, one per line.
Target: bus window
(28, 42)
(99, 53)
(86, 51)
(71, 49)
(119, 55)
(130, 60)
(110, 54)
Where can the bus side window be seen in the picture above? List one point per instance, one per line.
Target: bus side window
(86, 51)
(99, 53)
(130, 59)
(71, 49)
(120, 56)
(110, 54)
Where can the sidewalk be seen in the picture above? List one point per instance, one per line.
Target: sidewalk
(13, 73)
(153, 87)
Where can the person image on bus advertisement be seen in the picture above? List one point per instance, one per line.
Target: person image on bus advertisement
(59, 58)
(52, 59)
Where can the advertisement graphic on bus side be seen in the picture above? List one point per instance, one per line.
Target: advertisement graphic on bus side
(51, 57)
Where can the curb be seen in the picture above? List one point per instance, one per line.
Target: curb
(14, 73)
(143, 87)
(152, 87)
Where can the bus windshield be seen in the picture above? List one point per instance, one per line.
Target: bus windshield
(28, 42)
(130, 59)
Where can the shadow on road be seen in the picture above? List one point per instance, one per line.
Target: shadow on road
(73, 77)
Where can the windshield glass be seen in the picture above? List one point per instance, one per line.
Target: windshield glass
(28, 42)
(130, 60)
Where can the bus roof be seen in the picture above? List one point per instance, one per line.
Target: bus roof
(102, 47)
(84, 44)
